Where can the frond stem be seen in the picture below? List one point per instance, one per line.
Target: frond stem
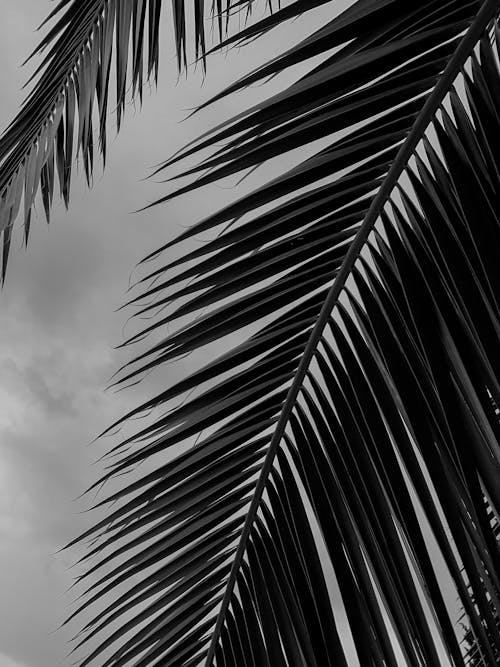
(464, 49)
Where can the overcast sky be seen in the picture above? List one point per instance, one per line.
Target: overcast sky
(59, 326)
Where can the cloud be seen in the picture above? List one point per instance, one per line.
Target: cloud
(6, 661)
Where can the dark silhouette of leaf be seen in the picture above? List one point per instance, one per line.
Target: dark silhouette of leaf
(351, 444)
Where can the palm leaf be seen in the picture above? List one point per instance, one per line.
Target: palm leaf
(361, 415)
(56, 121)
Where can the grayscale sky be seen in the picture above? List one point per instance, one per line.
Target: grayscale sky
(59, 326)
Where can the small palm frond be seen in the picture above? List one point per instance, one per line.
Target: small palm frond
(360, 417)
(56, 120)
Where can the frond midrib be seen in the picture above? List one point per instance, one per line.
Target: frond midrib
(422, 121)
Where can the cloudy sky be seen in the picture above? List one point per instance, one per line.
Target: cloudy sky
(59, 326)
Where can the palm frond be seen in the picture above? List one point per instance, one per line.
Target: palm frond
(360, 416)
(56, 121)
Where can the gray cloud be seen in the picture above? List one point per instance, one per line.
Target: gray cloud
(7, 661)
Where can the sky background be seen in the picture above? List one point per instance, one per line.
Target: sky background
(59, 325)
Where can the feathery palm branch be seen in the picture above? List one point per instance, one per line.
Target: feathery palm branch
(56, 120)
(360, 416)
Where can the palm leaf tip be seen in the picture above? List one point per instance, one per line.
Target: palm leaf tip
(360, 416)
(67, 107)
